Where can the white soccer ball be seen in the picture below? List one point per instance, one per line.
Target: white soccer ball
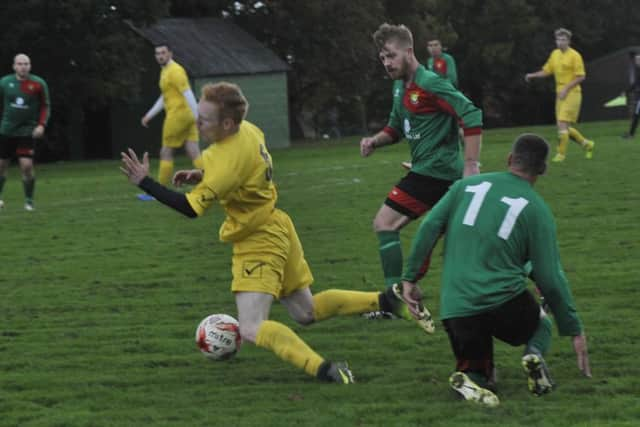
(218, 336)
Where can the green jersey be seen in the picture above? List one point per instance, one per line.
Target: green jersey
(495, 224)
(25, 104)
(427, 113)
(445, 66)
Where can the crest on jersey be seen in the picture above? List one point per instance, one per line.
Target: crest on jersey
(414, 97)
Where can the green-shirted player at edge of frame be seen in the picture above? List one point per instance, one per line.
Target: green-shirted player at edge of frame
(25, 112)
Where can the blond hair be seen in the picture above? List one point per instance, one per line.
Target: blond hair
(229, 99)
(562, 32)
(393, 33)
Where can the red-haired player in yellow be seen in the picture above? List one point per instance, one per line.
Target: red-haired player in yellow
(181, 111)
(268, 261)
(567, 67)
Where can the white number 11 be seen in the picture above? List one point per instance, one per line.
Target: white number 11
(479, 193)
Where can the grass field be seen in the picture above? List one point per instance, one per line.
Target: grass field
(100, 295)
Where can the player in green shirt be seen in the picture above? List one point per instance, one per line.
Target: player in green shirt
(427, 112)
(25, 112)
(495, 225)
(440, 62)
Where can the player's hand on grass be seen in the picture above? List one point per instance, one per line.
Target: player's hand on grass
(412, 295)
(580, 347)
(192, 176)
(367, 146)
(38, 132)
(133, 168)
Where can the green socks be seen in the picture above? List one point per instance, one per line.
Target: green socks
(391, 256)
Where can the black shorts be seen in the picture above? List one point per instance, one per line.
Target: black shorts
(16, 146)
(415, 194)
(471, 338)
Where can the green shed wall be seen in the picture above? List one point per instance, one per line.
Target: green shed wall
(268, 103)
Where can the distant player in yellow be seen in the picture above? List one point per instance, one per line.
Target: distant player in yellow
(567, 67)
(268, 261)
(181, 112)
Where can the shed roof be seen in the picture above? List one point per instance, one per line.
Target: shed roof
(212, 47)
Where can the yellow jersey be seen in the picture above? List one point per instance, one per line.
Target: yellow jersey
(173, 82)
(237, 173)
(565, 66)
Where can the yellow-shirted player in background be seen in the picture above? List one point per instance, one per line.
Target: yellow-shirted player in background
(181, 111)
(268, 261)
(567, 67)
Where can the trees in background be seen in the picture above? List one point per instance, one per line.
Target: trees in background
(91, 59)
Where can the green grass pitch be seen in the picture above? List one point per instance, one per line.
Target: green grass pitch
(100, 295)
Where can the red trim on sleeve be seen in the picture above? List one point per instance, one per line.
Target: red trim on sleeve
(392, 133)
(473, 131)
(44, 109)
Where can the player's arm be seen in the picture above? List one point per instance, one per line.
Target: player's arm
(452, 72)
(138, 174)
(427, 235)
(554, 286)
(390, 134)
(153, 111)
(580, 75)
(191, 101)
(469, 117)
(369, 144)
(44, 111)
(549, 275)
(536, 75)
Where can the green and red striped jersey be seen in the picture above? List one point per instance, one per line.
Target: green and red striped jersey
(429, 114)
(444, 65)
(25, 104)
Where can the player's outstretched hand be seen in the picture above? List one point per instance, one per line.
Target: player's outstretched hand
(580, 347)
(412, 295)
(367, 146)
(192, 176)
(133, 168)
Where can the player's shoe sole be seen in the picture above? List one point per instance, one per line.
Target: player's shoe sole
(471, 391)
(406, 165)
(539, 381)
(424, 320)
(588, 149)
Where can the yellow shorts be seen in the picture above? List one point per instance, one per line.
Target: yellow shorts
(271, 259)
(178, 128)
(568, 109)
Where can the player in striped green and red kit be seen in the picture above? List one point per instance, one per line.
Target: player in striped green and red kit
(25, 112)
(428, 113)
(440, 62)
(495, 225)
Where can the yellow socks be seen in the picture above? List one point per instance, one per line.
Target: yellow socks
(165, 171)
(288, 346)
(577, 136)
(197, 162)
(340, 303)
(563, 142)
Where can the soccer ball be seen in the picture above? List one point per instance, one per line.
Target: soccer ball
(218, 336)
